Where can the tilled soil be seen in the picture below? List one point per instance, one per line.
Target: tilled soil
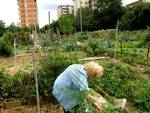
(48, 108)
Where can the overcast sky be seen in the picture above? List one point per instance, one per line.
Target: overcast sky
(9, 10)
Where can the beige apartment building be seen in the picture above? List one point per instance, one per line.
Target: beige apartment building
(80, 3)
(84, 3)
(64, 9)
(28, 14)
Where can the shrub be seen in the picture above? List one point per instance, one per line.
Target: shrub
(72, 47)
(141, 96)
(5, 83)
(147, 70)
(118, 80)
(5, 48)
(50, 69)
(95, 47)
(23, 87)
(82, 37)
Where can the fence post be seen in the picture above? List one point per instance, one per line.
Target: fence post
(36, 82)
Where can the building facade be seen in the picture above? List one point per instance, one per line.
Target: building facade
(28, 14)
(80, 3)
(64, 10)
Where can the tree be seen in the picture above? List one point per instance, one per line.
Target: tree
(2, 28)
(136, 17)
(146, 43)
(5, 48)
(66, 24)
(87, 19)
(13, 28)
(108, 12)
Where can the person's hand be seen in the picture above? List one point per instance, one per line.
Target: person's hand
(96, 106)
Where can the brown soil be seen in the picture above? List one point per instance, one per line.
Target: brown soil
(22, 59)
(48, 108)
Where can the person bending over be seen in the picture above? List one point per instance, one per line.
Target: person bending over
(73, 81)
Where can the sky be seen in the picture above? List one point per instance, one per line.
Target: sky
(9, 10)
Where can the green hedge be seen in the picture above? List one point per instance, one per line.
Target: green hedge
(5, 48)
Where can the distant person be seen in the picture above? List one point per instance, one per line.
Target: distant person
(73, 81)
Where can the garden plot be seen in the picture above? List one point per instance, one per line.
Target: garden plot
(23, 63)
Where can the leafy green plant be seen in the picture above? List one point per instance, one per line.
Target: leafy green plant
(147, 70)
(5, 48)
(50, 69)
(141, 96)
(5, 84)
(72, 47)
(110, 109)
(82, 37)
(83, 105)
(118, 80)
(23, 87)
(95, 47)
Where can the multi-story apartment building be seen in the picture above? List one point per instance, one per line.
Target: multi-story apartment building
(28, 13)
(64, 9)
(80, 3)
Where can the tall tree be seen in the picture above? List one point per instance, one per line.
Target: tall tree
(87, 19)
(146, 43)
(2, 28)
(136, 17)
(66, 24)
(13, 28)
(108, 12)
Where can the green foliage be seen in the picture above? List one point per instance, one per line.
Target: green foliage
(105, 34)
(66, 24)
(5, 48)
(95, 47)
(87, 19)
(146, 40)
(13, 28)
(118, 80)
(5, 83)
(141, 96)
(110, 109)
(83, 105)
(50, 69)
(118, 76)
(136, 17)
(22, 37)
(82, 37)
(147, 70)
(2, 28)
(108, 12)
(23, 87)
(72, 47)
